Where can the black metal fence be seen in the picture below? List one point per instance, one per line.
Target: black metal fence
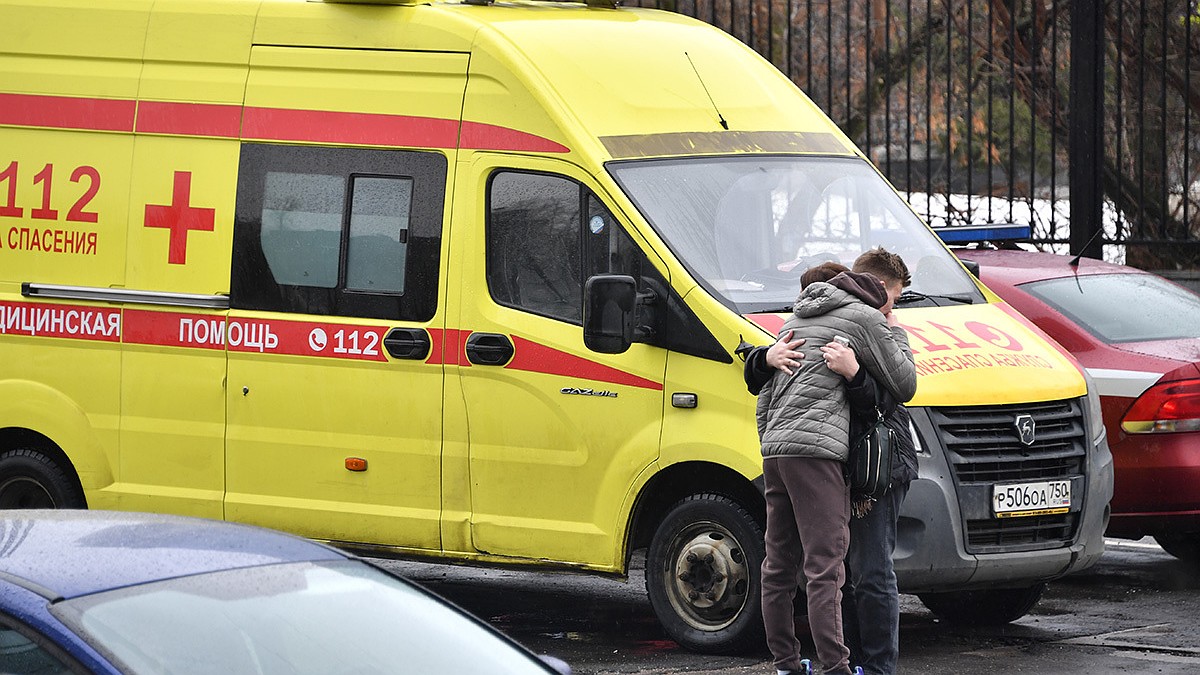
(1075, 117)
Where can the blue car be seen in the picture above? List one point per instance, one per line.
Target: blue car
(101, 592)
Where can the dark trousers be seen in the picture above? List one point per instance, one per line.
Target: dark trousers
(808, 513)
(871, 601)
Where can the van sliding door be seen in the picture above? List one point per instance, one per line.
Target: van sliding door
(333, 401)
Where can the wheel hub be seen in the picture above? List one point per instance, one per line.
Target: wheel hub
(710, 578)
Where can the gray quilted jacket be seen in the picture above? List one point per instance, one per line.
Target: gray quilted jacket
(807, 414)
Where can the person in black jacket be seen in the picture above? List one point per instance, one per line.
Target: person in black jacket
(870, 598)
(870, 605)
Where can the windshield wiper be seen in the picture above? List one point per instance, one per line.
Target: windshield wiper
(913, 296)
(782, 310)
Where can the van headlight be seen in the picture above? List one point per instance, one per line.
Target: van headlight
(1095, 417)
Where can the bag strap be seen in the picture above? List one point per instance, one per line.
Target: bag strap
(878, 397)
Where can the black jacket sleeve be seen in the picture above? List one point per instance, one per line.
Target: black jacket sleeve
(864, 395)
(756, 372)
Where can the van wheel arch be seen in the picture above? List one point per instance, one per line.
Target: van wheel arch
(702, 526)
(36, 473)
(689, 478)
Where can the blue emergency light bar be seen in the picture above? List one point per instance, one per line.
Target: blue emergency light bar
(970, 234)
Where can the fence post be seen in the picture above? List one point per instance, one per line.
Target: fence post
(1086, 120)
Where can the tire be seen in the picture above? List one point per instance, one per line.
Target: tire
(1185, 546)
(30, 479)
(703, 573)
(986, 607)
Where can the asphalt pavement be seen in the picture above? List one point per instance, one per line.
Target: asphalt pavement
(1136, 611)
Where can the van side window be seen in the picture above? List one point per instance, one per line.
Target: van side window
(609, 249)
(379, 214)
(545, 236)
(301, 228)
(338, 231)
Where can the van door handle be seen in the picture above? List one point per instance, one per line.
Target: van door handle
(489, 349)
(407, 343)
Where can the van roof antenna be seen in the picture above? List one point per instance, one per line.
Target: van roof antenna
(724, 124)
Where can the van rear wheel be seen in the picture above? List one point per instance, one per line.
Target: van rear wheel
(30, 479)
(703, 575)
(984, 607)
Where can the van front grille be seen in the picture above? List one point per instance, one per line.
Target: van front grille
(1019, 471)
(996, 535)
(984, 448)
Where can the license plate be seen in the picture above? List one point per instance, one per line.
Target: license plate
(1031, 499)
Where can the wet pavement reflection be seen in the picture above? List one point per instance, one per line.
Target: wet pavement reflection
(1138, 610)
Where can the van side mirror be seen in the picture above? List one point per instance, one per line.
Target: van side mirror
(609, 303)
(972, 266)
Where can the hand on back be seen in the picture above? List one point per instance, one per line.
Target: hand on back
(784, 354)
(840, 359)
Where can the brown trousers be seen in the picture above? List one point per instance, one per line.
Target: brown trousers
(808, 528)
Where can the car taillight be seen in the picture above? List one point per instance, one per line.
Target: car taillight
(1165, 407)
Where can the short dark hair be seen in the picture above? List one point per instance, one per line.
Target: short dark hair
(823, 272)
(884, 265)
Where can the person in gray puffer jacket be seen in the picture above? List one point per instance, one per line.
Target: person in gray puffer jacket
(807, 414)
(804, 426)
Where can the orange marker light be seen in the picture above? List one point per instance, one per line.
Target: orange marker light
(356, 464)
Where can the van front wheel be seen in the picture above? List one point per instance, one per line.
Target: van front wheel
(29, 479)
(703, 575)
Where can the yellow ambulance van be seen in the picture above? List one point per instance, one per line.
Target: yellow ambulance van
(466, 280)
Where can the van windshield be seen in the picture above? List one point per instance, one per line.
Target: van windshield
(747, 227)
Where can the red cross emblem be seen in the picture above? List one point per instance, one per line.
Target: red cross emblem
(180, 217)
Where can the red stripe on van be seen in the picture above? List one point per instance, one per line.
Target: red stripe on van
(768, 322)
(174, 329)
(480, 136)
(278, 124)
(38, 319)
(263, 124)
(448, 347)
(64, 112)
(264, 336)
(189, 119)
(537, 358)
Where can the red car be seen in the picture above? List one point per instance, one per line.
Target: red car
(1138, 337)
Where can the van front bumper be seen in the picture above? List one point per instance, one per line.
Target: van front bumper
(935, 554)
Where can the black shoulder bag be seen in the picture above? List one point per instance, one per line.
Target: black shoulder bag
(869, 467)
